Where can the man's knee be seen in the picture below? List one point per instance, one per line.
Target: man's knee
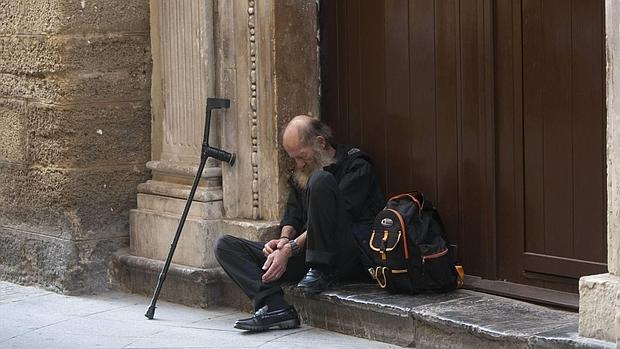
(223, 244)
(321, 181)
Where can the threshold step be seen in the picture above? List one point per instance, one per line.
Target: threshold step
(459, 319)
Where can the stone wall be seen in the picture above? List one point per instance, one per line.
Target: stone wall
(75, 136)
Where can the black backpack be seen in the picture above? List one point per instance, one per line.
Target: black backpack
(408, 248)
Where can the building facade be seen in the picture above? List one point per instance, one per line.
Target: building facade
(103, 106)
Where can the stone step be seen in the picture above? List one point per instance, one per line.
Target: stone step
(459, 319)
(186, 285)
(137, 270)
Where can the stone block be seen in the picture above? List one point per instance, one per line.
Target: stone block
(598, 295)
(87, 135)
(79, 87)
(430, 337)
(184, 172)
(29, 87)
(251, 229)
(151, 234)
(29, 258)
(99, 200)
(72, 204)
(459, 319)
(394, 327)
(13, 126)
(174, 206)
(29, 198)
(180, 191)
(185, 285)
(295, 40)
(29, 54)
(10, 15)
(44, 54)
(60, 265)
(73, 17)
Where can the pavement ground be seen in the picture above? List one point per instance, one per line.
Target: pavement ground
(34, 318)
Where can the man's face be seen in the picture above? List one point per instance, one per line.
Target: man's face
(304, 156)
(307, 160)
(307, 157)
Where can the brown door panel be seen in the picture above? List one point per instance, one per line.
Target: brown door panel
(494, 109)
(551, 55)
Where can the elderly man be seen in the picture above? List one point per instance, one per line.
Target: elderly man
(334, 194)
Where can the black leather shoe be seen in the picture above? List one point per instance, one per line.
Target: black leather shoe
(315, 281)
(264, 320)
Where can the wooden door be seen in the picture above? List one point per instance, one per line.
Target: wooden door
(551, 141)
(468, 101)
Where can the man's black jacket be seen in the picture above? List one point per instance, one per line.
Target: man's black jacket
(358, 184)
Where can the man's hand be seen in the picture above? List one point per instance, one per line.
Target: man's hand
(276, 263)
(275, 244)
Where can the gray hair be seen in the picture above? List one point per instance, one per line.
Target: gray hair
(309, 128)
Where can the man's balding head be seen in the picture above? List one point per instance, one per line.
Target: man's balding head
(307, 141)
(305, 129)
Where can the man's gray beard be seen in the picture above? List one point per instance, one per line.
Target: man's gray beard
(321, 159)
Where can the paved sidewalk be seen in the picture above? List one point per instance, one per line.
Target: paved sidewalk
(35, 318)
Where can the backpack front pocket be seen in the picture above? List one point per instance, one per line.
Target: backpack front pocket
(438, 271)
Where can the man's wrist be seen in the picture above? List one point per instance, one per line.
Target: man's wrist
(294, 247)
(286, 249)
(287, 232)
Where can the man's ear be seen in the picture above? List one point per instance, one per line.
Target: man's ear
(321, 141)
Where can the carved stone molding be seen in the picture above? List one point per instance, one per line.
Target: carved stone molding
(253, 106)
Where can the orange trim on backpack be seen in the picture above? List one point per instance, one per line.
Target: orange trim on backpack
(461, 276)
(436, 255)
(411, 196)
(402, 224)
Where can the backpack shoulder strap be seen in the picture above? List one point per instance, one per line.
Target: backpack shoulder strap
(404, 227)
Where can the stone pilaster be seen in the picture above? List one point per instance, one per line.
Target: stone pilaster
(599, 295)
(268, 66)
(183, 79)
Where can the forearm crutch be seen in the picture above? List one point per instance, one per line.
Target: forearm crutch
(207, 151)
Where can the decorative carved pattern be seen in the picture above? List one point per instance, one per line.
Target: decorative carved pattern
(253, 106)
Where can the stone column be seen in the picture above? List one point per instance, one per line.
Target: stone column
(599, 302)
(183, 79)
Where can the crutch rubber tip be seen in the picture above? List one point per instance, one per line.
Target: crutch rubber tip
(150, 312)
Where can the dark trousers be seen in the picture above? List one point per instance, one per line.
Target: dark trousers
(329, 244)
